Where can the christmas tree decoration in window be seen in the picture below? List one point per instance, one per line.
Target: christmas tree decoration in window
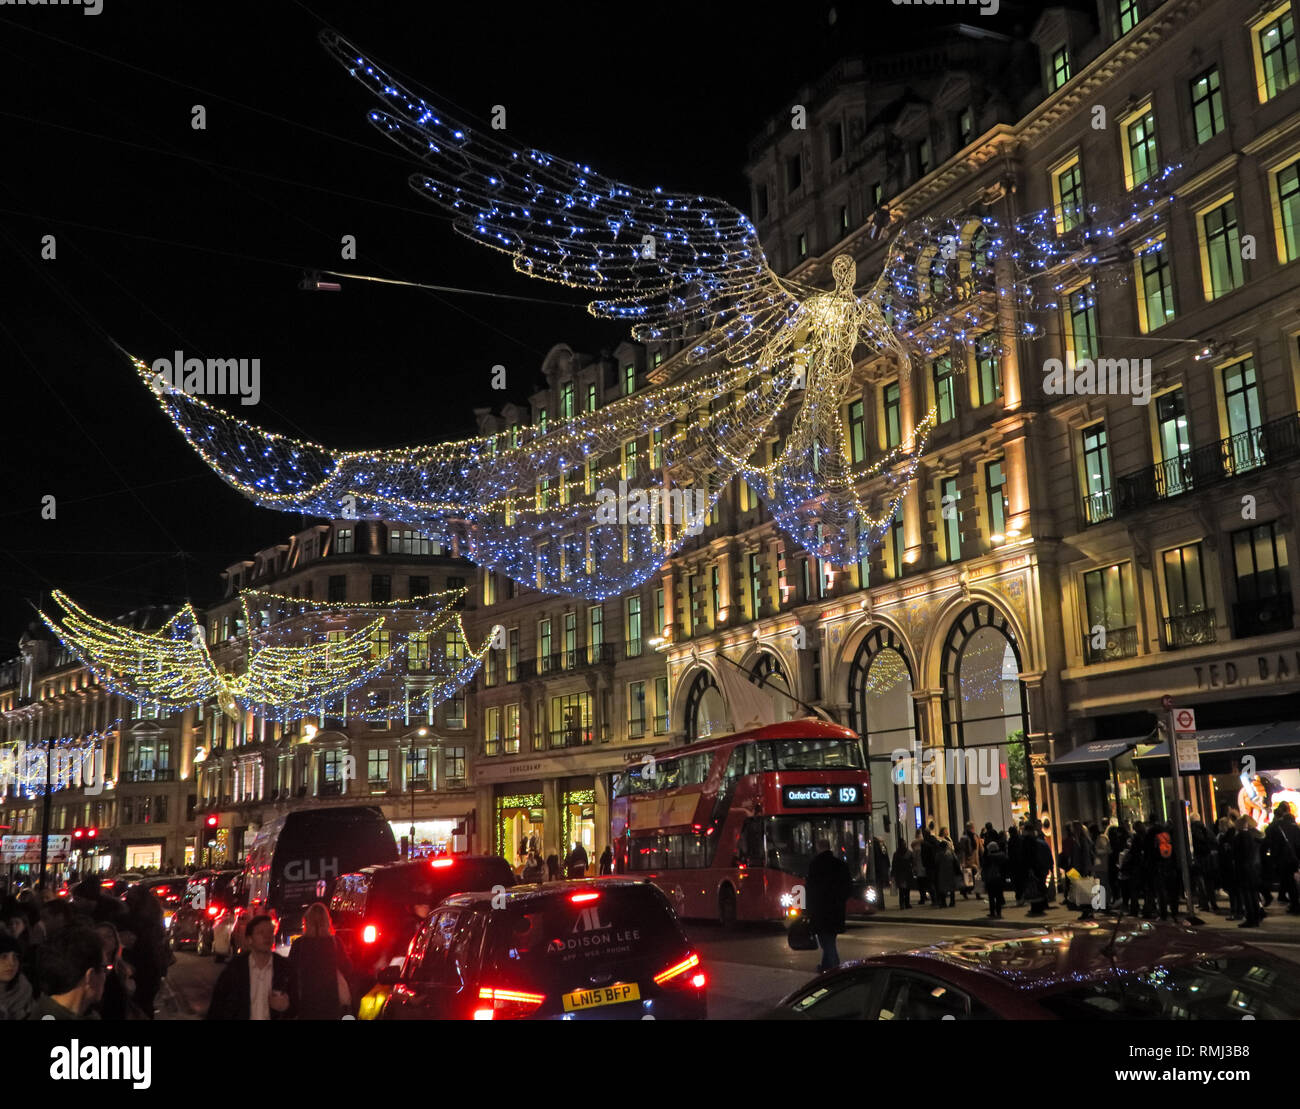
(761, 348)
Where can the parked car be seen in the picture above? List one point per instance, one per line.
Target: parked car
(377, 909)
(207, 895)
(608, 949)
(1086, 971)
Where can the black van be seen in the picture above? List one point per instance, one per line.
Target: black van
(377, 910)
(608, 949)
(297, 858)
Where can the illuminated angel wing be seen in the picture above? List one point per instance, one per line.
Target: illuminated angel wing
(290, 677)
(670, 264)
(532, 504)
(171, 667)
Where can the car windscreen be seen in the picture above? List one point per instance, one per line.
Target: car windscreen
(557, 943)
(426, 884)
(1229, 987)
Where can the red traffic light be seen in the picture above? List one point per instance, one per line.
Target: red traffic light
(91, 833)
(77, 833)
(212, 821)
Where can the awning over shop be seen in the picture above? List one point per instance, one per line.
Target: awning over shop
(1273, 746)
(1090, 762)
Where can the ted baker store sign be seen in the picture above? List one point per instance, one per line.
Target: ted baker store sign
(1256, 670)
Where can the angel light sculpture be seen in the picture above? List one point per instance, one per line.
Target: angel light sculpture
(533, 503)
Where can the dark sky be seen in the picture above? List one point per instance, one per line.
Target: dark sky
(169, 237)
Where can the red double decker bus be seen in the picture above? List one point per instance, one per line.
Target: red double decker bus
(727, 827)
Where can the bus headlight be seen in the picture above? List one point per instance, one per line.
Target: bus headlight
(786, 900)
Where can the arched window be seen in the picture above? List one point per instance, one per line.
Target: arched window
(986, 721)
(883, 713)
(768, 674)
(705, 712)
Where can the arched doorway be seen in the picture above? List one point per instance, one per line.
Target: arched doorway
(986, 722)
(706, 711)
(882, 711)
(768, 674)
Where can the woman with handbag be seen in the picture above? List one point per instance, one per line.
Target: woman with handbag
(321, 969)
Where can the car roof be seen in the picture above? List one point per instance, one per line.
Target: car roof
(418, 864)
(1040, 961)
(534, 892)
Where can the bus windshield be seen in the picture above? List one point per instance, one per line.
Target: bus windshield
(811, 754)
(792, 841)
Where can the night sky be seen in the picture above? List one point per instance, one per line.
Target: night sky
(168, 237)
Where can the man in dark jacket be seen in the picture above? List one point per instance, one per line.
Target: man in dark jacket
(1288, 854)
(1039, 860)
(1246, 848)
(1205, 872)
(70, 973)
(257, 985)
(992, 866)
(829, 884)
(1016, 863)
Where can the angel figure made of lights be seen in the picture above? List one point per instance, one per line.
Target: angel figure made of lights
(533, 503)
(297, 658)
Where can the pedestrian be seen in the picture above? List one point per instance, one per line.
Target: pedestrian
(880, 868)
(534, 869)
(947, 872)
(575, 864)
(930, 852)
(1283, 839)
(606, 865)
(1227, 860)
(968, 855)
(146, 946)
(1205, 866)
(553, 867)
(1246, 852)
(1039, 863)
(16, 996)
(919, 874)
(256, 984)
(828, 886)
(903, 875)
(320, 970)
(115, 1002)
(992, 866)
(70, 975)
(1016, 864)
(1101, 863)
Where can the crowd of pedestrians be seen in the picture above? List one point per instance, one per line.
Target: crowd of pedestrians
(87, 956)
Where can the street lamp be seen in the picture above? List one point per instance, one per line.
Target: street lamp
(410, 785)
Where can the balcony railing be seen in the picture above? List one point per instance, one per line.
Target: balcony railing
(1192, 629)
(1262, 617)
(150, 775)
(572, 737)
(632, 648)
(1120, 643)
(661, 724)
(331, 789)
(636, 728)
(1272, 443)
(1098, 507)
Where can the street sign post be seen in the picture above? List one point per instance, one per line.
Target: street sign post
(1184, 757)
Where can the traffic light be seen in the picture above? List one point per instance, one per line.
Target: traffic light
(213, 820)
(81, 835)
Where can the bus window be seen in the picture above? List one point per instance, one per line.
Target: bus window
(696, 849)
(750, 845)
(674, 856)
(815, 754)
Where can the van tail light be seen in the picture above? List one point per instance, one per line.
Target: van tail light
(685, 973)
(369, 934)
(581, 898)
(506, 1004)
(440, 864)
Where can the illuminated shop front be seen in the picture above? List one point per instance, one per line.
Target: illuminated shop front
(520, 815)
(432, 837)
(578, 813)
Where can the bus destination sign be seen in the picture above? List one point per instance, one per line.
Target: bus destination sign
(820, 796)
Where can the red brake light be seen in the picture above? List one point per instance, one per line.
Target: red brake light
(678, 969)
(369, 934)
(506, 1003)
(438, 864)
(579, 898)
(213, 910)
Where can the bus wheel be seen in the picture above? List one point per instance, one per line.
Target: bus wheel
(727, 907)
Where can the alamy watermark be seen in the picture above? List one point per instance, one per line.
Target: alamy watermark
(92, 7)
(937, 766)
(1116, 377)
(688, 508)
(241, 377)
